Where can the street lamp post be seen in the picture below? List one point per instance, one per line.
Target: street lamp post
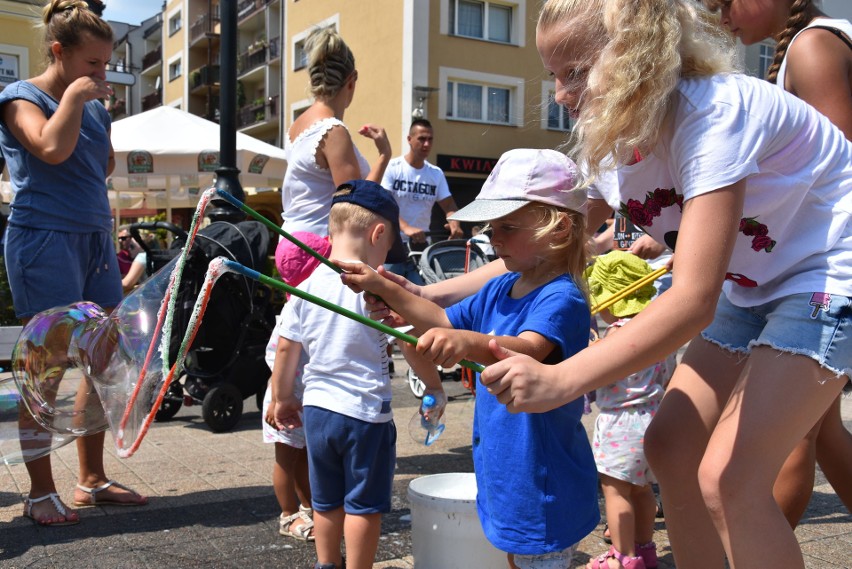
(227, 175)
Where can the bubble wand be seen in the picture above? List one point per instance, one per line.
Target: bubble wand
(251, 273)
(276, 228)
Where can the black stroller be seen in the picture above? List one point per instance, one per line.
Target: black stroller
(440, 261)
(225, 363)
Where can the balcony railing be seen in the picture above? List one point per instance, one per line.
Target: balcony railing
(151, 100)
(204, 76)
(257, 112)
(152, 57)
(248, 60)
(246, 8)
(204, 25)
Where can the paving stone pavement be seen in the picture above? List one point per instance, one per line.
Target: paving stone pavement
(212, 503)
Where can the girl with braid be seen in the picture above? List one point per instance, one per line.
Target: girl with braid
(55, 136)
(813, 60)
(753, 189)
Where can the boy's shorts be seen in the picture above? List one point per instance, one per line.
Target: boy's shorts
(815, 325)
(350, 462)
(619, 444)
(48, 269)
(555, 560)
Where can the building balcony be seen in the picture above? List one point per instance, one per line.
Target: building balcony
(252, 58)
(150, 101)
(204, 26)
(152, 58)
(246, 8)
(259, 111)
(205, 76)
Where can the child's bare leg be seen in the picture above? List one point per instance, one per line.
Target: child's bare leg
(675, 443)
(620, 516)
(361, 533)
(795, 483)
(328, 531)
(834, 453)
(285, 481)
(645, 511)
(779, 398)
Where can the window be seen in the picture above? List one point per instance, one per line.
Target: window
(484, 20)
(175, 24)
(175, 70)
(557, 115)
(766, 56)
(478, 102)
(300, 54)
(480, 97)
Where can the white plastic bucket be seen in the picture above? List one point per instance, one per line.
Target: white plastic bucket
(445, 530)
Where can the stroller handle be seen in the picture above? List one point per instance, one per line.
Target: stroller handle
(153, 226)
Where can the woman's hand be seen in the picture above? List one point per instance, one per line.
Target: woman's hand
(521, 383)
(379, 137)
(88, 88)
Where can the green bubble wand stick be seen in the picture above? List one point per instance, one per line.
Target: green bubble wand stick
(251, 273)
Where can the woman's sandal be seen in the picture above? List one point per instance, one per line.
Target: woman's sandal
(626, 562)
(302, 532)
(68, 518)
(93, 492)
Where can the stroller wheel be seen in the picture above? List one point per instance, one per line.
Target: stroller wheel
(417, 386)
(222, 407)
(172, 402)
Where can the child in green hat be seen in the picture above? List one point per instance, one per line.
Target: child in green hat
(626, 409)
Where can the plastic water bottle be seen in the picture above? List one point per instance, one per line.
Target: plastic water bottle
(422, 430)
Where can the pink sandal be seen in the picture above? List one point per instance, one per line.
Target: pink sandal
(626, 562)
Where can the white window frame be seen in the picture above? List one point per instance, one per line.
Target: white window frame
(297, 106)
(23, 55)
(297, 42)
(518, 22)
(548, 94)
(515, 85)
(177, 59)
(175, 15)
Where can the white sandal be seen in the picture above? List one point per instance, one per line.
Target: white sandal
(303, 532)
(93, 492)
(57, 503)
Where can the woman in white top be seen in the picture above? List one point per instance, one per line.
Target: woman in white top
(320, 152)
(813, 60)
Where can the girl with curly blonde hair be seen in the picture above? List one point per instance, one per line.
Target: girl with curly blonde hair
(754, 189)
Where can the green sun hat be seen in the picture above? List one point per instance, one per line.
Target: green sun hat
(612, 273)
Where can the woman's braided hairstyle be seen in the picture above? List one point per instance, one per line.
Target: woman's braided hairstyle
(796, 22)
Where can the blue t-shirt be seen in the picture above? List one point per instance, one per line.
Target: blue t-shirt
(535, 472)
(71, 196)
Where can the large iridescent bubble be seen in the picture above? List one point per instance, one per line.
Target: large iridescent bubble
(79, 371)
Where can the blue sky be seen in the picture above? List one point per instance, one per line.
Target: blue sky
(131, 11)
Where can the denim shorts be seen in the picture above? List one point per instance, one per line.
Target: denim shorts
(54, 268)
(350, 462)
(407, 269)
(555, 560)
(817, 325)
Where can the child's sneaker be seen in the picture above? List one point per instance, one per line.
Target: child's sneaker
(648, 553)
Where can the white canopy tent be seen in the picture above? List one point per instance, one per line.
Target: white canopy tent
(164, 156)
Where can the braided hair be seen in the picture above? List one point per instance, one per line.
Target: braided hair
(796, 22)
(330, 62)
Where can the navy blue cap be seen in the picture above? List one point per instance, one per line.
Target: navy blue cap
(371, 196)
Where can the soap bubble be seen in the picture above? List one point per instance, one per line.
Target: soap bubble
(80, 370)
